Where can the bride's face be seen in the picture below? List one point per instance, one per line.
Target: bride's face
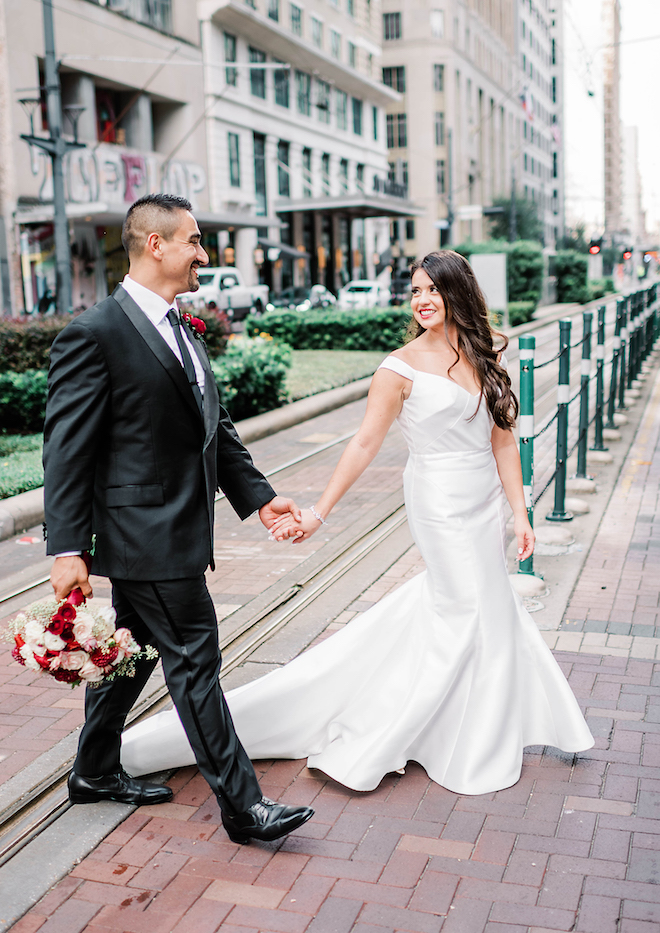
(427, 305)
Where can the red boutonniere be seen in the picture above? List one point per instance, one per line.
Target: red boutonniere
(197, 326)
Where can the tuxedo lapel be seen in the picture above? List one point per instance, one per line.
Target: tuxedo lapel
(156, 344)
(211, 400)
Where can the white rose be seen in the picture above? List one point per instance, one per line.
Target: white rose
(53, 642)
(72, 660)
(34, 631)
(83, 627)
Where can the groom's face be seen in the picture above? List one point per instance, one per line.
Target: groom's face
(183, 254)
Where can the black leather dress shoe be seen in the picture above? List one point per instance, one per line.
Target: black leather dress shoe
(119, 786)
(265, 820)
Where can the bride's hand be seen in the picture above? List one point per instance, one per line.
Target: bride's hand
(300, 531)
(525, 537)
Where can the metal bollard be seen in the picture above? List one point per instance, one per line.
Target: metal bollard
(616, 344)
(559, 513)
(587, 318)
(600, 381)
(527, 345)
(623, 356)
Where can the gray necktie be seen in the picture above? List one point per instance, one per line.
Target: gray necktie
(188, 366)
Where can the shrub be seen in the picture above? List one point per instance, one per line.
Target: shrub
(520, 312)
(25, 342)
(601, 287)
(217, 331)
(251, 375)
(20, 464)
(23, 401)
(571, 272)
(374, 329)
(524, 266)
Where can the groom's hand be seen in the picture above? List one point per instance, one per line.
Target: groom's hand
(67, 573)
(276, 508)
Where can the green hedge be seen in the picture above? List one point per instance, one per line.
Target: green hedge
(251, 375)
(521, 312)
(571, 273)
(374, 329)
(25, 342)
(524, 266)
(23, 401)
(20, 464)
(601, 287)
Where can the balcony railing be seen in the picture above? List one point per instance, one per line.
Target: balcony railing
(389, 187)
(154, 13)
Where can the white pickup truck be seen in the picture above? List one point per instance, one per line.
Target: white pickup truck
(224, 286)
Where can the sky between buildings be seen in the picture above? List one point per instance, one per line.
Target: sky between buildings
(583, 138)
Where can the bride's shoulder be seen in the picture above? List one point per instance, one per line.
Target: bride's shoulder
(397, 362)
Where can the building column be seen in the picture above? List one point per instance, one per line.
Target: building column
(138, 123)
(245, 243)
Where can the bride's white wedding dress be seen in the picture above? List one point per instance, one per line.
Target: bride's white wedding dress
(449, 670)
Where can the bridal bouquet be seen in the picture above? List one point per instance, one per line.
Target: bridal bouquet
(74, 642)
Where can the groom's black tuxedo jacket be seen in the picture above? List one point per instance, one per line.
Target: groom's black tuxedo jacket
(127, 454)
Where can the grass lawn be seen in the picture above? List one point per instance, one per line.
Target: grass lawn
(315, 371)
(20, 463)
(311, 371)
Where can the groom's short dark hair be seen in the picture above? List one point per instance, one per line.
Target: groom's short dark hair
(154, 213)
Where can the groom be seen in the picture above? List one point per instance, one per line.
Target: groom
(135, 446)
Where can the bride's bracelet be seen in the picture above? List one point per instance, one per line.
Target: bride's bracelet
(317, 515)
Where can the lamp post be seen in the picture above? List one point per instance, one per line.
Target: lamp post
(56, 147)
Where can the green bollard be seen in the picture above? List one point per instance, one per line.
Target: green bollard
(623, 357)
(527, 345)
(559, 513)
(587, 318)
(616, 344)
(600, 381)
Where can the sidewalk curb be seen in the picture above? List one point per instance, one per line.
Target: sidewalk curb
(18, 513)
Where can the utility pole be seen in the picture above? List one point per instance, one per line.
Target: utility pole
(450, 189)
(56, 147)
(513, 230)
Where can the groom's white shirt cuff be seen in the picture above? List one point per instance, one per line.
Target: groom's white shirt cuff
(69, 554)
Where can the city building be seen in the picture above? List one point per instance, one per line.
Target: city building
(296, 135)
(633, 215)
(479, 116)
(613, 181)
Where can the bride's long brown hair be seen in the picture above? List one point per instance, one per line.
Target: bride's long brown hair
(467, 311)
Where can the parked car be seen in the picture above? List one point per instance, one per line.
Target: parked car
(363, 293)
(300, 298)
(224, 288)
(400, 289)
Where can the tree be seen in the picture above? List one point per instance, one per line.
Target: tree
(528, 225)
(575, 239)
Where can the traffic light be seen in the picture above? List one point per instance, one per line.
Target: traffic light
(595, 246)
(627, 253)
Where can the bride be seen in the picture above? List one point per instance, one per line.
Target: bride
(449, 670)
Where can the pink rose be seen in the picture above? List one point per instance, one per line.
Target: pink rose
(90, 672)
(72, 660)
(126, 643)
(83, 628)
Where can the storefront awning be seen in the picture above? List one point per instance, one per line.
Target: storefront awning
(284, 248)
(101, 214)
(355, 205)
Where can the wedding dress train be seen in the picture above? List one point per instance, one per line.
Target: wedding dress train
(449, 670)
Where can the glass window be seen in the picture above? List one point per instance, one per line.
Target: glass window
(359, 177)
(395, 78)
(317, 32)
(296, 19)
(335, 44)
(231, 74)
(437, 23)
(352, 54)
(307, 172)
(343, 174)
(342, 109)
(439, 128)
(350, 7)
(282, 87)
(283, 185)
(303, 92)
(397, 134)
(323, 100)
(234, 160)
(390, 130)
(374, 114)
(410, 230)
(274, 10)
(357, 116)
(260, 173)
(440, 179)
(257, 75)
(325, 172)
(438, 77)
(251, 3)
(391, 26)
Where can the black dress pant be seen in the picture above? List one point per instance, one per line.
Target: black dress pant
(177, 616)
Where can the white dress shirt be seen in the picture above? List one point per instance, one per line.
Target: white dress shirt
(156, 308)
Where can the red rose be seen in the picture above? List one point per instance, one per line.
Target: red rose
(17, 656)
(43, 661)
(66, 612)
(70, 639)
(20, 641)
(67, 677)
(56, 625)
(198, 325)
(75, 598)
